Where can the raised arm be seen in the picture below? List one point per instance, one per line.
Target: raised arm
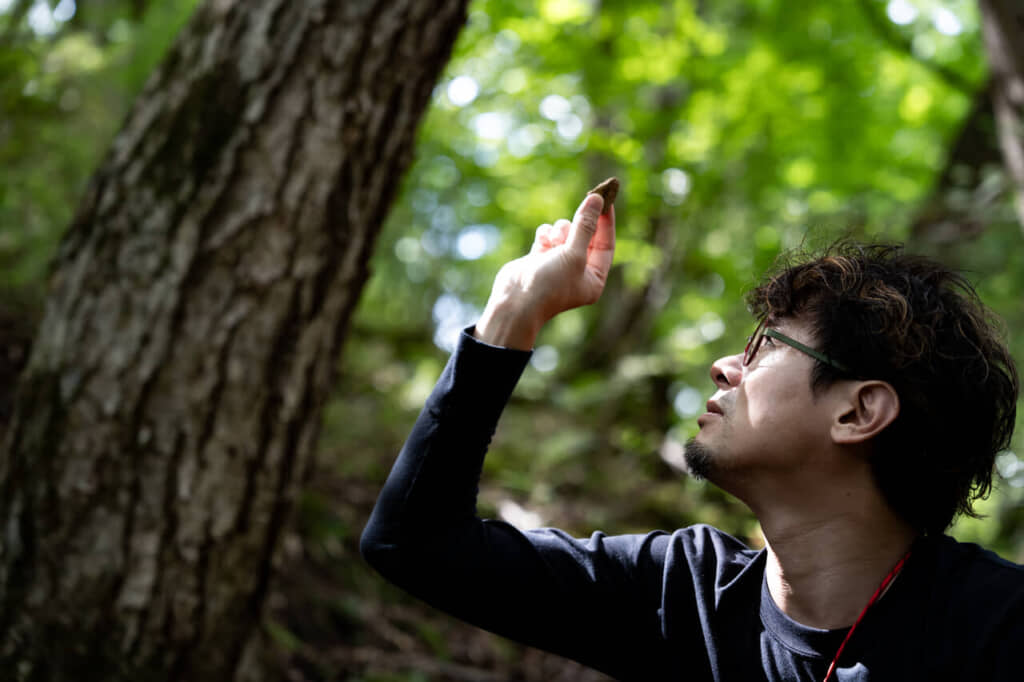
(596, 600)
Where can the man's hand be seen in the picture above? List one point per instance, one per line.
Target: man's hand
(567, 267)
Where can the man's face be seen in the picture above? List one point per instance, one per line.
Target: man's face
(764, 417)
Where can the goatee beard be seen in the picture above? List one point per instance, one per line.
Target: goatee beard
(700, 460)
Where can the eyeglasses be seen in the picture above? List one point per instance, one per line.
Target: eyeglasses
(754, 343)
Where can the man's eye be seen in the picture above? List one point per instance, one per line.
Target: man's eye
(769, 340)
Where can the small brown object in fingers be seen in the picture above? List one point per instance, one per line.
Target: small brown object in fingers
(608, 190)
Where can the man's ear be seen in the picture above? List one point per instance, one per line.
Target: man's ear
(866, 408)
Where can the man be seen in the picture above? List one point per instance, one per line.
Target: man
(864, 415)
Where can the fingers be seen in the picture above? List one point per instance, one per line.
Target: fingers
(541, 241)
(579, 234)
(559, 232)
(584, 223)
(604, 239)
(602, 246)
(549, 236)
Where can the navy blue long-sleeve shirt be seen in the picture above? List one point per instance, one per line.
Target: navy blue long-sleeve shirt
(687, 605)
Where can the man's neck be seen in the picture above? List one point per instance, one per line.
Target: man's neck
(822, 570)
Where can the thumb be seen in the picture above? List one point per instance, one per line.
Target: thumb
(584, 223)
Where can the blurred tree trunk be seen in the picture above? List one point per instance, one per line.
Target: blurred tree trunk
(1003, 30)
(17, 323)
(960, 203)
(196, 311)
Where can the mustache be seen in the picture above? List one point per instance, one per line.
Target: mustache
(722, 403)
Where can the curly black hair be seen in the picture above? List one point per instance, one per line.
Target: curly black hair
(921, 327)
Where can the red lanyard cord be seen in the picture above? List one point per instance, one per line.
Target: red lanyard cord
(875, 597)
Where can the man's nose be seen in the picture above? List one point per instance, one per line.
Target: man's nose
(727, 372)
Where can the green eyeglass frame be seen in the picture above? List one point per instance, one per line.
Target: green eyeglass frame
(754, 343)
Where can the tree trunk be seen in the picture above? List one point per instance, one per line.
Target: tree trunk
(961, 201)
(1002, 23)
(197, 307)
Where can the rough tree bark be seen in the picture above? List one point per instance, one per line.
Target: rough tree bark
(196, 310)
(1002, 23)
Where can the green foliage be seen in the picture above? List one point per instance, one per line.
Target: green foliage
(738, 128)
(738, 131)
(62, 96)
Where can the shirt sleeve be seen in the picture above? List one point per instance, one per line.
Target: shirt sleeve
(593, 600)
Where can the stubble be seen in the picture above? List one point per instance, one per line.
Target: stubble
(699, 458)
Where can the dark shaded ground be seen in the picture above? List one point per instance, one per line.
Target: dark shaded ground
(335, 619)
